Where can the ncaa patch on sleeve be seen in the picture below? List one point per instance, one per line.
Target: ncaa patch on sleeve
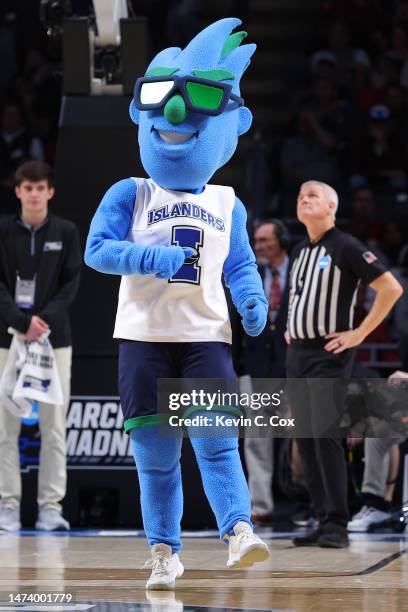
(369, 257)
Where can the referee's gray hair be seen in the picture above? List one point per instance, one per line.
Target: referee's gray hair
(330, 193)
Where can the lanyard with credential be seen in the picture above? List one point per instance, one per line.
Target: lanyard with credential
(25, 288)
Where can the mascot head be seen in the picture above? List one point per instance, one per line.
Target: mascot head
(188, 107)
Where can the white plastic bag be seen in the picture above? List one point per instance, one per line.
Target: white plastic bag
(20, 407)
(38, 378)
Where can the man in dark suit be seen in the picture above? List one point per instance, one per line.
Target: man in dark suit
(264, 356)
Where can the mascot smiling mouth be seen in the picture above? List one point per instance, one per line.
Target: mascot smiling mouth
(173, 138)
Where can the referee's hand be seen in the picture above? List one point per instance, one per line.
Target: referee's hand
(341, 341)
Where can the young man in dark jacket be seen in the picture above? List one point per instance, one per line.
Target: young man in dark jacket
(40, 261)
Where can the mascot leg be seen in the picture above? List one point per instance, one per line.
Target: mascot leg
(223, 479)
(157, 461)
(227, 492)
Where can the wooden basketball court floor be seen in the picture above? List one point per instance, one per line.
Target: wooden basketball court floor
(104, 572)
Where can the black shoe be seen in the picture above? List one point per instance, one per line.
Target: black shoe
(303, 517)
(309, 540)
(333, 537)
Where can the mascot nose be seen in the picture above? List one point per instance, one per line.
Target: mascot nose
(175, 110)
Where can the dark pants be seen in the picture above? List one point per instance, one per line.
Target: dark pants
(142, 363)
(316, 388)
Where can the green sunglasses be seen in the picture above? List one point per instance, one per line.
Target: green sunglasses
(201, 95)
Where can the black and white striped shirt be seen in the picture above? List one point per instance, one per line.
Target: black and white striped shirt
(324, 280)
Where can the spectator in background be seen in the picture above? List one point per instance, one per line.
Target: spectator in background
(38, 90)
(310, 153)
(399, 47)
(361, 83)
(379, 155)
(385, 73)
(364, 223)
(380, 42)
(323, 65)
(401, 13)
(259, 176)
(394, 98)
(327, 104)
(338, 44)
(390, 243)
(36, 71)
(362, 16)
(381, 463)
(375, 89)
(7, 54)
(17, 145)
(334, 114)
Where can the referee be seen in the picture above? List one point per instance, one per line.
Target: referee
(326, 270)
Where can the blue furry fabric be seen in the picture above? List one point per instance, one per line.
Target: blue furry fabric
(108, 251)
(157, 461)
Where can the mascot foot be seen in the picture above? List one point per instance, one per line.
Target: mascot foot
(166, 567)
(245, 547)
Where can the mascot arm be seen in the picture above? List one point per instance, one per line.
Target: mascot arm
(107, 249)
(242, 277)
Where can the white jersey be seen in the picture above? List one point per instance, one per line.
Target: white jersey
(191, 306)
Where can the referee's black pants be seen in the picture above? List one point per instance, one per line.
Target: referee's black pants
(317, 391)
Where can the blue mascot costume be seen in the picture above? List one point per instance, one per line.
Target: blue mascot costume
(171, 237)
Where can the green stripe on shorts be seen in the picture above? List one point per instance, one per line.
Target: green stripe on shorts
(145, 421)
(215, 408)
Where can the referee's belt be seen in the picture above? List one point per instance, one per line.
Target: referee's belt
(309, 342)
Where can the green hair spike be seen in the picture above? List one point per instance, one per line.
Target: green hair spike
(161, 71)
(233, 41)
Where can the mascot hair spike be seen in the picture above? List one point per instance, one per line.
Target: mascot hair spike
(214, 47)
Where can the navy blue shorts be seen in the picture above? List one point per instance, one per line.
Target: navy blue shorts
(142, 363)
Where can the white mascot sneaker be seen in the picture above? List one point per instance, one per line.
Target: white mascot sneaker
(166, 567)
(245, 547)
(164, 601)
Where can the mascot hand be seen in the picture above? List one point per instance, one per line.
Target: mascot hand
(166, 261)
(254, 313)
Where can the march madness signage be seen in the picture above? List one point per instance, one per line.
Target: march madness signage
(95, 437)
